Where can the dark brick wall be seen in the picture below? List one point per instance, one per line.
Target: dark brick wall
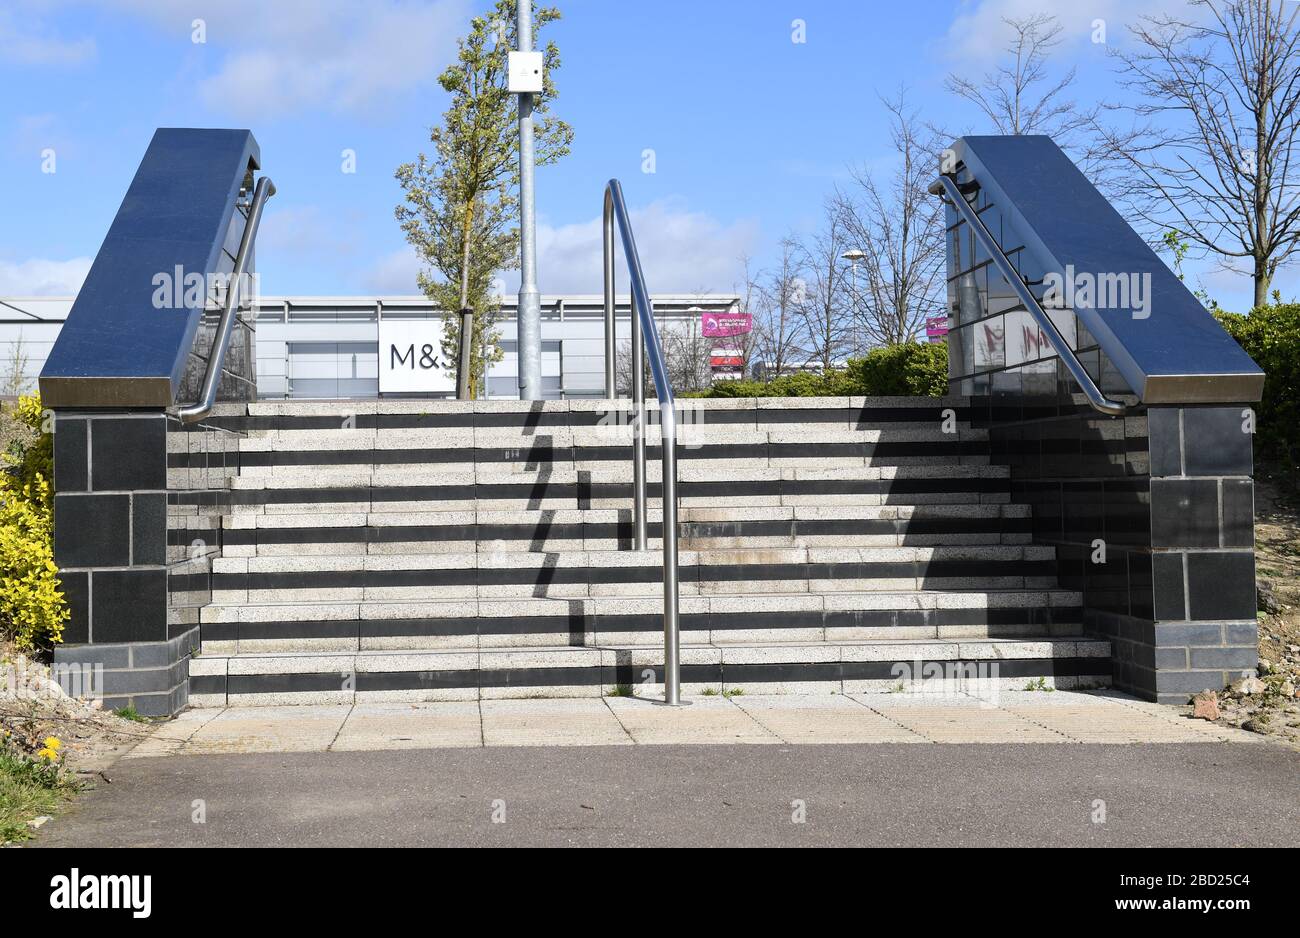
(1151, 514)
(136, 526)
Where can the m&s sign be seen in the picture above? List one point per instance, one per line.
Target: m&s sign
(411, 359)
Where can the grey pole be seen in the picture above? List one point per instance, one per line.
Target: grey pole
(465, 367)
(639, 538)
(611, 388)
(672, 651)
(529, 314)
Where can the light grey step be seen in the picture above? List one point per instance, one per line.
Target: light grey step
(755, 668)
(435, 532)
(720, 617)
(629, 573)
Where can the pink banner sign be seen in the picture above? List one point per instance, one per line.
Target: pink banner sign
(725, 325)
(936, 327)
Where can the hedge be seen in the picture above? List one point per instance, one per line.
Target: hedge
(1271, 336)
(909, 370)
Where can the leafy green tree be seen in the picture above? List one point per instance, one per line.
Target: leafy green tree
(461, 212)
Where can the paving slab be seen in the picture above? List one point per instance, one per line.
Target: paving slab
(824, 720)
(563, 722)
(169, 738)
(951, 719)
(705, 720)
(1092, 724)
(269, 729)
(374, 727)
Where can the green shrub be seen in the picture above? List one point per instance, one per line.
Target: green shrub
(909, 370)
(26, 445)
(1271, 336)
(32, 607)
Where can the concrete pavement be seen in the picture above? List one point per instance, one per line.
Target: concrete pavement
(1027, 768)
(1007, 717)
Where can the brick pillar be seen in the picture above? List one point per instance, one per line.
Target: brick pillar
(1202, 548)
(110, 543)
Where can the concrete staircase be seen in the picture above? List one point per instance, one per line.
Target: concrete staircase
(435, 550)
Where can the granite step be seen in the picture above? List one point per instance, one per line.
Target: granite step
(722, 617)
(917, 666)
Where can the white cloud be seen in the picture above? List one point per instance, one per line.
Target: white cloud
(978, 35)
(40, 277)
(335, 55)
(394, 274)
(24, 40)
(681, 252)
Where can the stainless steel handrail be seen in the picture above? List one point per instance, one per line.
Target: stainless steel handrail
(220, 342)
(646, 344)
(945, 185)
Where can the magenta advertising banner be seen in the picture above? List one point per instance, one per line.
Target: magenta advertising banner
(725, 325)
(936, 328)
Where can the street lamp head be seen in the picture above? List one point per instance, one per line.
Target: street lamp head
(853, 255)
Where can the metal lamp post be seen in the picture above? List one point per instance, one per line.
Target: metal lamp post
(853, 256)
(525, 79)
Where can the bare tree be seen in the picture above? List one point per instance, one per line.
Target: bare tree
(826, 306)
(1019, 96)
(779, 333)
(899, 226)
(1215, 118)
(15, 381)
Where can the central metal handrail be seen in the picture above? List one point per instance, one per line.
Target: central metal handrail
(646, 344)
(945, 185)
(220, 342)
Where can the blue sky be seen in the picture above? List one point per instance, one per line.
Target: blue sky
(749, 129)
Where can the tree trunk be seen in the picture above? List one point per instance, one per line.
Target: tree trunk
(467, 233)
(1261, 284)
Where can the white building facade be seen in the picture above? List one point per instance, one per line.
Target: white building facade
(328, 346)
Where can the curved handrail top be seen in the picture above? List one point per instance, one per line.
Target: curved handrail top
(190, 413)
(640, 295)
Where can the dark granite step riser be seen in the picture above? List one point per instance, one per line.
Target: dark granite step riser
(749, 677)
(992, 528)
(921, 571)
(573, 630)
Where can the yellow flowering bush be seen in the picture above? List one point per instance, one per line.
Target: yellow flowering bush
(32, 607)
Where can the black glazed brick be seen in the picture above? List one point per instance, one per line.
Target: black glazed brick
(1238, 513)
(1164, 441)
(128, 453)
(129, 605)
(70, 454)
(1215, 442)
(1168, 635)
(149, 528)
(1184, 513)
(75, 587)
(92, 530)
(1238, 658)
(1167, 586)
(1140, 586)
(1221, 585)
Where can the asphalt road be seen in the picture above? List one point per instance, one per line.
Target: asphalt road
(1205, 794)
